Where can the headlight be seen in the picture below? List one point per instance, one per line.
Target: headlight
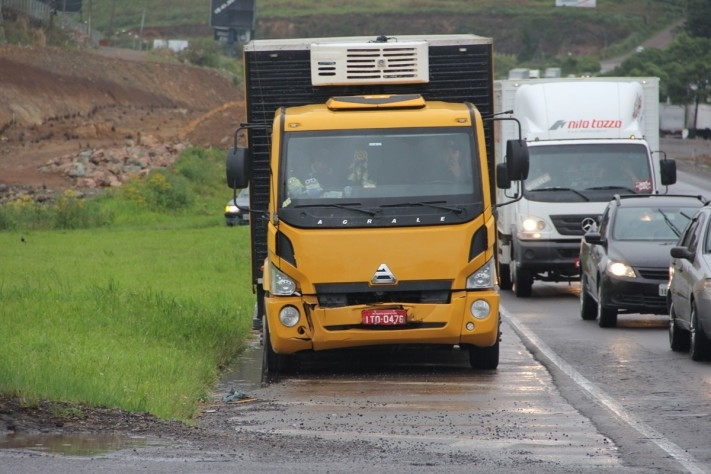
(620, 269)
(484, 277)
(531, 228)
(707, 288)
(533, 224)
(280, 284)
(232, 209)
(480, 309)
(289, 316)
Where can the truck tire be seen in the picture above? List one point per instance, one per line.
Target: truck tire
(484, 358)
(505, 276)
(273, 363)
(522, 281)
(259, 311)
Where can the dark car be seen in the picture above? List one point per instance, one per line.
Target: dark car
(237, 209)
(624, 263)
(689, 296)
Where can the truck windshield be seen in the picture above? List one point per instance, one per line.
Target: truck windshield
(378, 167)
(587, 171)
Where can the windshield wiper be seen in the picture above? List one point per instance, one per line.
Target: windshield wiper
(599, 188)
(348, 205)
(433, 204)
(670, 223)
(560, 188)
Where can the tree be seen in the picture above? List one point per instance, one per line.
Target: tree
(683, 68)
(698, 18)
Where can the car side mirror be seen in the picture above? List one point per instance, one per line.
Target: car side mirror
(682, 252)
(593, 238)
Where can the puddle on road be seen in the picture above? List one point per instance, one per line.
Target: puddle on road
(71, 444)
(246, 375)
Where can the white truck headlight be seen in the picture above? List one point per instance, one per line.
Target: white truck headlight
(280, 283)
(531, 228)
(482, 278)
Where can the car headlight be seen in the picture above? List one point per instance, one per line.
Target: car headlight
(484, 277)
(280, 284)
(531, 228)
(707, 288)
(620, 269)
(232, 209)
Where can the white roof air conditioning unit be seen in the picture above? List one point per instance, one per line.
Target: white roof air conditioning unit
(369, 63)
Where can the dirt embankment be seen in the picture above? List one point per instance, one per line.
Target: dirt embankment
(58, 104)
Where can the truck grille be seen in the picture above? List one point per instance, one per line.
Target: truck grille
(334, 295)
(572, 224)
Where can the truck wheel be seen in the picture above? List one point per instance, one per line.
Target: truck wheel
(484, 358)
(606, 316)
(505, 277)
(678, 337)
(588, 306)
(273, 363)
(522, 282)
(259, 310)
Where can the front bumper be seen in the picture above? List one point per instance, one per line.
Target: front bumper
(635, 295)
(537, 256)
(336, 328)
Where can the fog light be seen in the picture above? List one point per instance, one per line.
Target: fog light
(470, 326)
(480, 309)
(289, 316)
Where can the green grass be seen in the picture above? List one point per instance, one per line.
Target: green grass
(138, 319)
(140, 309)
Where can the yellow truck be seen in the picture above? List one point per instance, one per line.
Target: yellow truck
(371, 177)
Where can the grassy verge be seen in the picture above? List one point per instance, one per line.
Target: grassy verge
(139, 313)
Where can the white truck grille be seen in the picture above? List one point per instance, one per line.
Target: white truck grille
(369, 63)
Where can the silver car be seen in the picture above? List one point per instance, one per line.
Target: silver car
(689, 295)
(237, 209)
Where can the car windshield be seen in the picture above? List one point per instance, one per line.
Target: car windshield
(651, 223)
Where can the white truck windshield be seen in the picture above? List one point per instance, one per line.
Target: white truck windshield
(583, 169)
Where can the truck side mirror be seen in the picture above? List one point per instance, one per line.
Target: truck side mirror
(502, 176)
(238, 167)
(667, 170)
(517, 160)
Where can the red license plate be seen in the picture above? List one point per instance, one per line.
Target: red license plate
(384, 317)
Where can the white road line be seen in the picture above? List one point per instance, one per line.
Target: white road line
(676, 452)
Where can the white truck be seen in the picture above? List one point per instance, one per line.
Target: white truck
(588, 139)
